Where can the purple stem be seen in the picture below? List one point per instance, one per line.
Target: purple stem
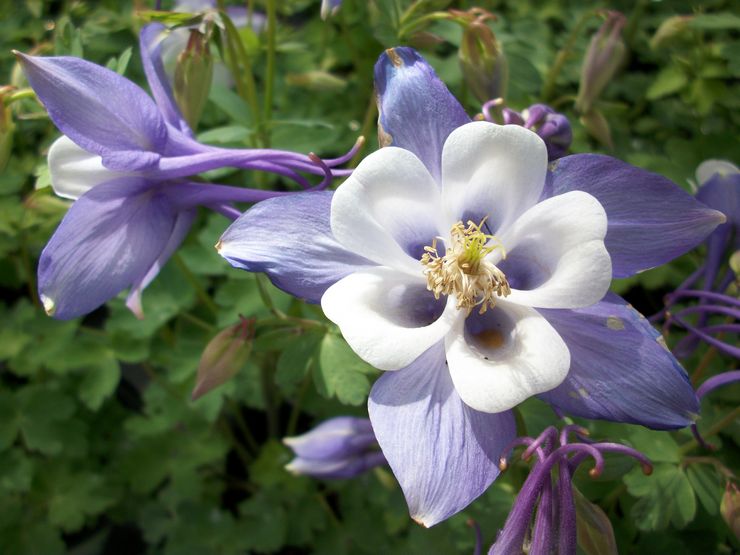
(542, 532)
(546, 441)
(710, 309)
(566, 527)
(717, 381)
(719, 297)
(225, 210)
(575, 428)
(478, 536)
(720, 345)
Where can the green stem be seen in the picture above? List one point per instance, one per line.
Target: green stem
(272, 416)
(199, 291)
(367, 123)
(720, 425)
(270, 79)
(242, 424)
(266, 299)
(243, 454)
(548, 88)
(198, 322)
(296, 410)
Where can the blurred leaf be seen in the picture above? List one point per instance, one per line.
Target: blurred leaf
(99, 384)
(670, 80)
(595, 533)
(341, 373)
(715, 22)
(665, 497)
(706, 483)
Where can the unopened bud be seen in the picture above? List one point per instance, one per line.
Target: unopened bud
(482, 61)
(316, 81)
(342, 447)
(604, 56)
(552, 127)
(224, 356)
(730, 508)
(193, 75)
(670, 30)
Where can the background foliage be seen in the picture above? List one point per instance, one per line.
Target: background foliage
(101, 448)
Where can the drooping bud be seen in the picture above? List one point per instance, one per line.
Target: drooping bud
(341, 447)
(224, 356)
(193, 75)
(604, 56)
(481, 56)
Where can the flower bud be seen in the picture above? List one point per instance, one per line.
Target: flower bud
(342, 447)
(603, 57)
(730, 508)
(481, 57)
(193, 75)
(224, 356)
(670, 30)
(552, 127)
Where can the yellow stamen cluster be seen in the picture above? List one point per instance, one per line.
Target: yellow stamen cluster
(464, 270)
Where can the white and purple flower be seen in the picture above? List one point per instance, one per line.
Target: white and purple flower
(456, 260)
(126, 159)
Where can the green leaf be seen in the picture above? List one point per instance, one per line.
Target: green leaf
(657, 446)
(715, 22)
(295, 360)
(341, 373)
(99, 384)
(670, 80)
(707, 486)
(665, 497)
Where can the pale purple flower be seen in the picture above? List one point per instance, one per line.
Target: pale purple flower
(554, 528)
(341, 447)
(126, 159)
(329, 8)
(386, 253)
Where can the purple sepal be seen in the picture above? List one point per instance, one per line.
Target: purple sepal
(416, 110)
(150, 39)
(443, 453)
(183, 222)
(108, 241)
(334, 438)
(337, 469)
(289, 239)
(99, 110)
(621, 369)
(651, 220)
(552, 127)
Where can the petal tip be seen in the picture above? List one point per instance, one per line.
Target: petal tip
(393, 56)
(49, 305)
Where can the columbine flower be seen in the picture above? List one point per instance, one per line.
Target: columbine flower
(341, 447)
(554, 529)
(119, 159)
(552, 127)
(454, 259)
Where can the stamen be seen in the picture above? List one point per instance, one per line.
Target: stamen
(464, 270)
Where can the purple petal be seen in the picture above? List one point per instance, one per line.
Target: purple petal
(150, 39)
(99, 110)
(620, 368)
(335, 438)
(180, 229)
(108, 241)
(417, 112)
(651, 220)
(443, 453)
(337, 469)
(289, 239)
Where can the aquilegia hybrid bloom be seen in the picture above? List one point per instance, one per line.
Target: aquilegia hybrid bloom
(454, 259)
(125, 159)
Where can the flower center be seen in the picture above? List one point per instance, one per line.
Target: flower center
(464, 270)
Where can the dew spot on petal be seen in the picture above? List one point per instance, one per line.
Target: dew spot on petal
(614, 323)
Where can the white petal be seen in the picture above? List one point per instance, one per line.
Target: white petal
(385, 316)
(388, 210)
(492, 170)
(559, 245)
(708, 168)
(514, 355)
(74, 171)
